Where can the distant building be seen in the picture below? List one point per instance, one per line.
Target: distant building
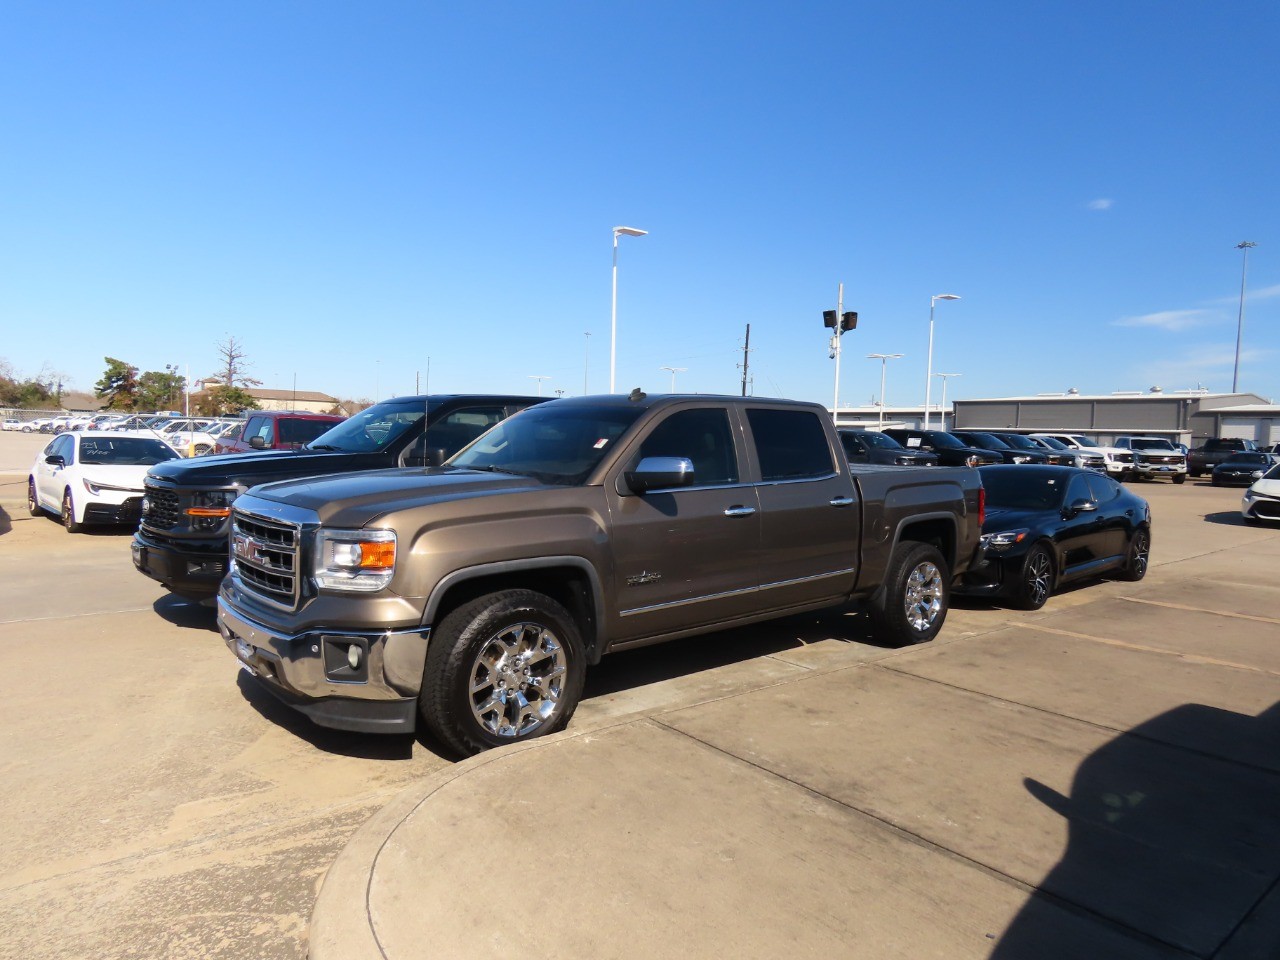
(1182, 416)
(76, 402)
(310, 401)
(868, 417)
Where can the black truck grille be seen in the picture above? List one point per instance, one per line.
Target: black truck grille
(163, 511)
(267, 555)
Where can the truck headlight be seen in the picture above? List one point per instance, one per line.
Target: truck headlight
(357, 560)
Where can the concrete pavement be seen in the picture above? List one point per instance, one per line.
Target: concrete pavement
(1096, 780)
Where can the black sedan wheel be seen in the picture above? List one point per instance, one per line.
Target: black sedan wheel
(1139, 555)
(1036, 580)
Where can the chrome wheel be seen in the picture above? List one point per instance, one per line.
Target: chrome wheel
(517, 679)
(924, 596)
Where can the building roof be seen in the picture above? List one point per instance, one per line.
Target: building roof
(1125, 395)
(304, 396)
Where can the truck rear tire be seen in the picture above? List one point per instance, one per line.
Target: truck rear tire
(504, 668)
(912, 604)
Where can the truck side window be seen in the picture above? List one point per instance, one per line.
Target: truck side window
(258, 427)
(702, 436)
(791, 444)
(459, 428)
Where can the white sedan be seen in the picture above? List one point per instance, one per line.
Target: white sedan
(94, 477)
(1262, 500)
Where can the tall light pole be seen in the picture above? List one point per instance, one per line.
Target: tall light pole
(884, 359)
(942, 412)
(586, 362)
(1243, 246)
(613, 323)
(539, 379)
(840, 323)
(928, 380)
(674, 371)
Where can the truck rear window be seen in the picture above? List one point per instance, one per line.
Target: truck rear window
(791, 444)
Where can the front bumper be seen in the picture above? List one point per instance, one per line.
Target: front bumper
(1260, 508)
(1144, 469)
(127, 510)
(193, 572)
(311, 671)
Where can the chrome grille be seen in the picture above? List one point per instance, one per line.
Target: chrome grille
(162, 510)
(267, 556)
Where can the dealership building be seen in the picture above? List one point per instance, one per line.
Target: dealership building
(1182, 416)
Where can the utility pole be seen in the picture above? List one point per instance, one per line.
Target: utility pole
(839, 322)
(746, 350)
(1243, 246)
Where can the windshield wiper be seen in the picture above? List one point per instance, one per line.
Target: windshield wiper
(323, 446)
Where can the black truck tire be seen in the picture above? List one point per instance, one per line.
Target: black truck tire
(501, 669)
(911, 606)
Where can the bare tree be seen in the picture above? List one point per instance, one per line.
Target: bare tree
(232, 357)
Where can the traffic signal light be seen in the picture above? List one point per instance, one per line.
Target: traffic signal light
(829, 318)
(849, 321)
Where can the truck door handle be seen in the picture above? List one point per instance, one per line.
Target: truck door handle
(739, 511)
(841, 501)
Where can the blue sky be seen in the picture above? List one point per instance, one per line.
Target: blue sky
(351, 189)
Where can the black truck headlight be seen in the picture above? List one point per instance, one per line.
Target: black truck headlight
(356, 560)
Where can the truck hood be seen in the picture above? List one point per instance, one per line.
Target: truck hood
(354, 499)
(247, 469)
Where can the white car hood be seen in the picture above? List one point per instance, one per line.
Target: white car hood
(1267, 488)
(130, 477)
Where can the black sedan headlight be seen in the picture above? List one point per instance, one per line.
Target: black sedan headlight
(1004, 539)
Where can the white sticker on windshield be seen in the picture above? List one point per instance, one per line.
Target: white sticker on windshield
(913, 441)
(601, 443)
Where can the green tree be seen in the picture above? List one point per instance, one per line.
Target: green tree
(31, 393)
(220, 401)
(118, 386)
(161, 390)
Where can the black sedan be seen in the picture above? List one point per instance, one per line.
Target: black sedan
(1057, 458)
(991, 441)
(951, 451)
(1241, 469)
(1049, 525)
(872, 446)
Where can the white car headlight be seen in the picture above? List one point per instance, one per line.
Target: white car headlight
(355, 560)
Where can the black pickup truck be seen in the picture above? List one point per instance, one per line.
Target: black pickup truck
(474, 595)
(1204, 458)
(182, 540)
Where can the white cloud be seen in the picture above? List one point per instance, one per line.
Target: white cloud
(1209, 365)
(1169, 319)
(1102, 203)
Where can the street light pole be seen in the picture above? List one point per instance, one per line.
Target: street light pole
(1243, 246)
(539, 379)
(928, 380)
(942, 412)
(586, 362)
(613, 322)
(884, 359)
(674, 371)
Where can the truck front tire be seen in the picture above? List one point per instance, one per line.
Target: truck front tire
(504, 668)
(912, 604)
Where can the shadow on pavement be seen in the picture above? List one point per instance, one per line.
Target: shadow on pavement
(629, 669)
(1167, 845)
(6, 522)
(188, 614)
(342, 743)
(1230, 518)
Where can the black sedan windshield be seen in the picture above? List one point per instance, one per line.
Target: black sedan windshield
(1250, 459)
(878, 440)
(374, 429)
(552, 443)
(1021, 442)
(1022, 489)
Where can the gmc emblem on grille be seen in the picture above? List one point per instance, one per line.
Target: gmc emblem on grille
(246, 548)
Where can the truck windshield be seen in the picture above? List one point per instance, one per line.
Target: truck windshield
(554, 444)
(374, 429)
(1150, 443)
